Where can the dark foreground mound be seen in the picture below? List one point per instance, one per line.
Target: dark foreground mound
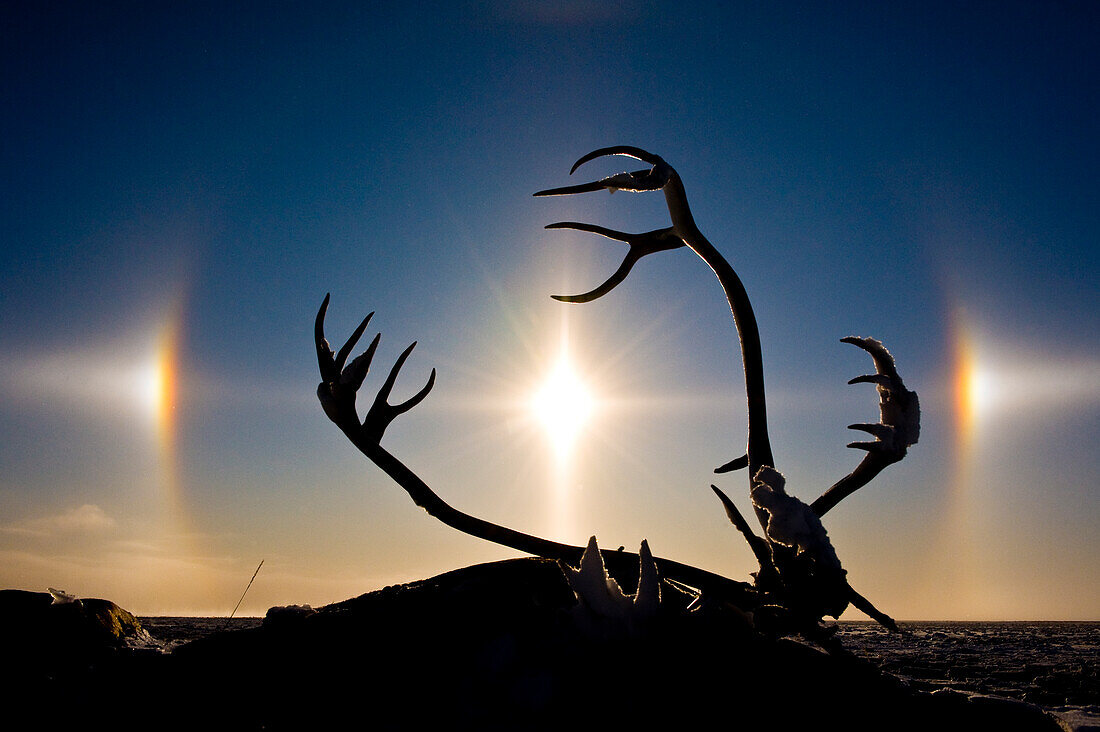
(499, 646)
(41, 635)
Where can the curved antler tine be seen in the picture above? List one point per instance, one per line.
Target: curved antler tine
(628, 150)
(610, 284)
(324, 352)
(345, 350)
(758, 545)
(735, 464)
(593, 229)
(639, 181)
(732, 513)
(658, 240)
(880, 379)
(596, 185)
(884, 362)
(868, 446)
(416, 398)
(357, 370)
(387, 386)
(897, 430)
(640, 245)
(877, 429)
(381, 413)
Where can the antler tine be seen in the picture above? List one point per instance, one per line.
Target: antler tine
(879, 430)
(880, 379)
(324, 352)
(627, 150)
(331, 365)
(596, 185)
(356, 371)
(884, 362)
(345, 350)
(736, 464)
(639, 181)
(416, 398)
(609, 284)
(593, 229)
(339, 385)
(663, 177)
(382, 413)
(391, 379)
(897, 430)
(759, 546)
(640, 245)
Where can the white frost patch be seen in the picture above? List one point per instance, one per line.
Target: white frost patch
(791, 522)
(600, 595)
(60, 597)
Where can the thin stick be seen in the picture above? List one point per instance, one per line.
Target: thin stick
(243, 594)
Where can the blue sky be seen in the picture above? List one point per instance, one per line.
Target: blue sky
(191, 180)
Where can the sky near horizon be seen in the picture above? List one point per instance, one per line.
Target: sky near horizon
(182, 184)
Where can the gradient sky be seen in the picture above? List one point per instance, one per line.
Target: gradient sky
(183, 183)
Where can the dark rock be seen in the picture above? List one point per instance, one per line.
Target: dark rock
(287, 616)
(59, 659)
(497, 646)
(37, 632)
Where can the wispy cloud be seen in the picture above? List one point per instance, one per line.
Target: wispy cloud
(87, 519)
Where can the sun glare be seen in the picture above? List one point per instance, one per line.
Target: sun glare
(563, 404)
(974, 392)
(973, 384)
(150, 387)
(156, 382)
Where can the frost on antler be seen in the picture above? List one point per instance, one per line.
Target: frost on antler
(601, 602)
(801, 552)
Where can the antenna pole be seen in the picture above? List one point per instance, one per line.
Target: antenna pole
(243, 594)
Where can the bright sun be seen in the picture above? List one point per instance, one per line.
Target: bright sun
(563, 404)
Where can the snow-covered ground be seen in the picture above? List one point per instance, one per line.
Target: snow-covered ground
(1055, 665)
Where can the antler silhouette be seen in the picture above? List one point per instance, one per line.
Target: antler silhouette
(337, 391)
(800, 576)
(661, 176)
(802, 570)
(897, 430)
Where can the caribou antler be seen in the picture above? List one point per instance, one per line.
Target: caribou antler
(795, 568)
(897, 430)
(800, 573)
(337, 391)
(339, 384)
(661, 176)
